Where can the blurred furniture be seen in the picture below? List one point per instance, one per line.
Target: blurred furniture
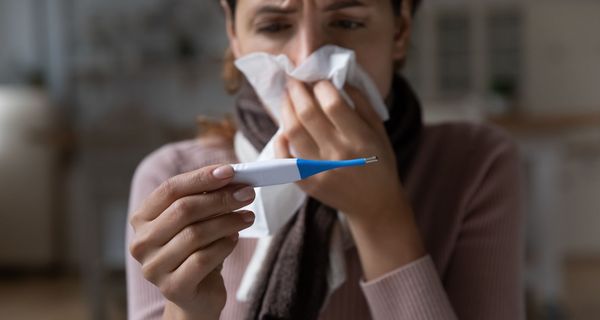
(545, 144)
(27, 180)
(108, 152)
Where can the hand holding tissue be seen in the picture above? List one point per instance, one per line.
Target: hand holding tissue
(268, 75)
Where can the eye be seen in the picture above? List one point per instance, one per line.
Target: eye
(274, 27)
(347, 24)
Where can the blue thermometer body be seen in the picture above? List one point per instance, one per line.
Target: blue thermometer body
(282, 171)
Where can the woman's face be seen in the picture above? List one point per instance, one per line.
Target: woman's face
(297, 28)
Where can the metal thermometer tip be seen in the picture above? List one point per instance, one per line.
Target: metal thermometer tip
(371, 160)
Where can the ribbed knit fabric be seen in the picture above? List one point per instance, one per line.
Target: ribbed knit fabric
(464, 190)
(293, 263)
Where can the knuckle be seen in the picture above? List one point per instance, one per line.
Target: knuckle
(341, 154)
(181, 208)
(200, 260)
(195, 232)
(224, 200)
(228, 202)
(203, 176)
(135, 250)
(138, 247)
(169, 289)
(168, 189)
(149, 272)
(135, 220)
(293, 130)
(217, 201)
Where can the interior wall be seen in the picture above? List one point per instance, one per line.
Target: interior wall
(19, 52)
(562, 56)
(563, 76)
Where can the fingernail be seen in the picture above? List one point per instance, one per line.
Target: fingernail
(247, 216)
(244, 194)
(223, 172)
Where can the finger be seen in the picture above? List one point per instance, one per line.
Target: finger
(195, 237)
(346, 120)
(198, 181)
(295, 132)
(195, 208)
(199, 264)
(309, 112)
(365, 110)
(282, 147)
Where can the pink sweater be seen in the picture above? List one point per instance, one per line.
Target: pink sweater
(465, 191)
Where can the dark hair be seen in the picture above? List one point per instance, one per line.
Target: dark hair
(397, 4)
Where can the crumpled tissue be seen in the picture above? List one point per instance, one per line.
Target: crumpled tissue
(274, 206)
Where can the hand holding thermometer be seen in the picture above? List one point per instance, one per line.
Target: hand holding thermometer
(281, 171)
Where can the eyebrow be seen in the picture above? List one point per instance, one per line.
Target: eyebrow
(338, 5)
(269, 8)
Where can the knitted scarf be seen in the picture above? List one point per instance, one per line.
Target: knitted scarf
(293, 281)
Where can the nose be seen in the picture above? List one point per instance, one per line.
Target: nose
(307, 40)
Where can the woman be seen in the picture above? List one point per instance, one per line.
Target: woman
(434, 226)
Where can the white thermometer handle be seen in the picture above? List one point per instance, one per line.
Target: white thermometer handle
(266, 173)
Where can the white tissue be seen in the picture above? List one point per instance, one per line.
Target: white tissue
(275, 205)
(268, 75)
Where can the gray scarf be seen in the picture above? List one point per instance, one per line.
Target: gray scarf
(293, 281)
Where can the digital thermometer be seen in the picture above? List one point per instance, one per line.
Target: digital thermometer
(282, 171)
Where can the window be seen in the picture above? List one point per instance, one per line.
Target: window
(453, 53)
(504, 48)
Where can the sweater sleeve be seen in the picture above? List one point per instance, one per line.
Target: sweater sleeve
(144, 300)
(483, 278)
(411, 292)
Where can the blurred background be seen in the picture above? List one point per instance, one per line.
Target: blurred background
(89, 87)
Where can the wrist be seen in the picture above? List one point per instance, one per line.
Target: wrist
(174, 312)
(387, 224)
(386, 240)
(391, 213)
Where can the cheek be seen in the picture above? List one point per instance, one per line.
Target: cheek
(271, 47)
(376, 57)
(249, 43)
(379, 65)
